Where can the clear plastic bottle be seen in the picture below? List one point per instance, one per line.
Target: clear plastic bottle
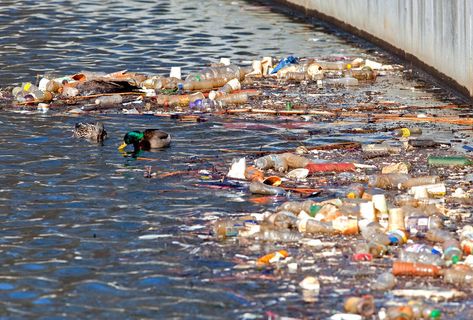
(229, 87)
(387, 181)
(379, 147)
(261, 188)
(278, 235)
(384, 282)
(108, 101)
(225, 228)
(205, 105)
(375, 233)
(424, 311)
(400, 313)
(294, 161)
(363, 74)
(452, 250)
(203, 84)
(224, 72)
(420, 181)
(345, 81)
(419, 225)
(315, 227)
(375, 249)
(294, 75)
(438, 235)
(297, 206)
(233, 98)
(421, 253)
(283, 220)
(459, 277)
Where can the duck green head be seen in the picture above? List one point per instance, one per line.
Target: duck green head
(132, 137)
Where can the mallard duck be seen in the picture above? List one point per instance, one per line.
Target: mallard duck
(149, 139)
(91, 131)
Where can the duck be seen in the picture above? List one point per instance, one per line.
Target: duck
(147, 140)
(94, 132)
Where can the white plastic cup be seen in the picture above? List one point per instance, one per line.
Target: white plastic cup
(380, 204)
(225, 61)
(367, 211)
(175, 72)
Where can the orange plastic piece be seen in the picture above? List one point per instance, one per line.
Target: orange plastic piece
(327, 167)
(273, 255)
(416, 269)
(254, 174)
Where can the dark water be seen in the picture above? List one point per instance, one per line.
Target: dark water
(83, 233)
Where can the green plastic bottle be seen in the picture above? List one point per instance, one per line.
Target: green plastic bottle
(459, 161)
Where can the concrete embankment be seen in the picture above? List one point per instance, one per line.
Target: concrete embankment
(437, 35)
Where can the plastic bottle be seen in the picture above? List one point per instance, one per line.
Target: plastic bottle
(419, 181)
(271, 161)
(424, 311)
(407, 132)
(459, 277)
(333, 65)
(278, 235)
(315, 227)
(182, 100)
(438, 235)
(415, 269)
(400, 313)
(294, 161)
(223, 72)
(233, 98)
(229, 87)
(420, 225)
(452, 250)
(329, 167)
(226, 228)
(272, 257)
(384, 282)
(205, 105)
(466, 238)
(379, 147)
(355, 191)
(300, 76)
(207, 84)
(423, 143)
(363, 306)
(283, 220)
(459, 161)
(375, 249)
(387, 181)
(363, 74)
(261, 188)
(421, 253)
(296, 207)
(107, 101)
(345, 81)
(374, 232)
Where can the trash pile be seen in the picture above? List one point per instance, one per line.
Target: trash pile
(212, 89)
(401, 207)
(414, 216)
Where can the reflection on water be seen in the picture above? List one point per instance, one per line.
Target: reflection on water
(84, 235)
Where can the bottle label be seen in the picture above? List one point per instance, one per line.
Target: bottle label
(415, 225)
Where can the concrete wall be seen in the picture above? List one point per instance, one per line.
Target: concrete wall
(439, 33)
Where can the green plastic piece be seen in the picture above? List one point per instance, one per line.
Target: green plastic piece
(449, 161)
(435, 314)
(288, 106)
(455, 259)
(314, 209)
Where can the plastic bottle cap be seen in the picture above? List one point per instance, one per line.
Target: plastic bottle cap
(27, 86)
(436, 313)
(348, 66)
(455, 259)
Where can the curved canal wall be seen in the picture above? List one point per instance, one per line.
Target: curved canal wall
(436, 35)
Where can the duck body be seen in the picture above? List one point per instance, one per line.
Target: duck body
(147, 140)
(94, 132)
